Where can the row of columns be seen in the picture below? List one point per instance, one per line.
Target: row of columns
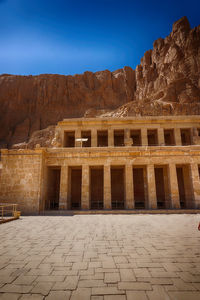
(144, 139)
(129, 187)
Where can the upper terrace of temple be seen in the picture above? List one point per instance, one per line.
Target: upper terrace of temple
(137, 131)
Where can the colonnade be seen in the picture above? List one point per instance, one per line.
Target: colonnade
(143, 132)
(172, 193)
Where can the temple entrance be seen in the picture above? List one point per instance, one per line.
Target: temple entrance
(96, 188)
(181, 187)
(184, 186)
(160, 187)
(118, 138)
(53, 188)
(69, 139)
(169, 137)
(75, 187)
(102, 138)
(136, 137)
(152, 137)
(86, 135)
(186, 137)
(139, 188)
(117, 187)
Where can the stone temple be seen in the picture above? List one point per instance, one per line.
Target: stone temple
(127, 164)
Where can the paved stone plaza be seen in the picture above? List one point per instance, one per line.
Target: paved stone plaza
(96, 257)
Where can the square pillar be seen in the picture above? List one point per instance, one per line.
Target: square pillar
(161, 139)
(77, 136)
(195, 184)
(107, 187)
(93, 138)
(144, 137)
(151, 187)
(177, 136)
(129, 203)
(85, 187)
(110, 137)
(63, 197)
(173, 184)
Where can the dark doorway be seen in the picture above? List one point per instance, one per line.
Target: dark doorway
(53, 188)
(139, 188)
(186, 137)
(76, 183)
(169, 137)
(119, 138)
(186, 193)
(86, 135)
(136, 137)
(102, 138)
(160, 187)
(181, 186)
(69, 139)
(117, 187)
(152, 137)
(96, 188)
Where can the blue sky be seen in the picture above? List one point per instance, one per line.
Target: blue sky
(73, 36)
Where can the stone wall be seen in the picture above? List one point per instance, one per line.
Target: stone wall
(20, 179)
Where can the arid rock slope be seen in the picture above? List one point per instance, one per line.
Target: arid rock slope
(168, 78)
(166, 82)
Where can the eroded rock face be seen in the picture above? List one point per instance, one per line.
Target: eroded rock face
(170, 72)
(166, 82)
(30, 103)
(47, 137)
(168, 78)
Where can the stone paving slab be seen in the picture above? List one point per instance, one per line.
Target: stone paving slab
(101, 257)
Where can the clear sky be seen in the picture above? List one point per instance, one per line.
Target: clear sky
(73, 36)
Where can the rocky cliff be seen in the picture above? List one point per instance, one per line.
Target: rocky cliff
(30, 103)
(168, 78)
(166, 82)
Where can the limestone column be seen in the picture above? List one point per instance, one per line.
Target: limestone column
(110, 137)
(77, 136)
(63, 197)
(107, 187)
(94, 138)
(152, 198)
(129, 187)
(195, 184)
(144, 137)
(161, 139)
(177, 136)
(63, 138)
(173, 184)
(85, 192)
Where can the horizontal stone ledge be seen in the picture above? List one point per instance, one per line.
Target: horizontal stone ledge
(129, 120)
(114, 212)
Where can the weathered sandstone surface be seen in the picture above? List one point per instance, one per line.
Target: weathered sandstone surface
(167, 82)
(168, 78)
(30, 103)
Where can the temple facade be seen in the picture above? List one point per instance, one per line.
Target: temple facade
(138, 163)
